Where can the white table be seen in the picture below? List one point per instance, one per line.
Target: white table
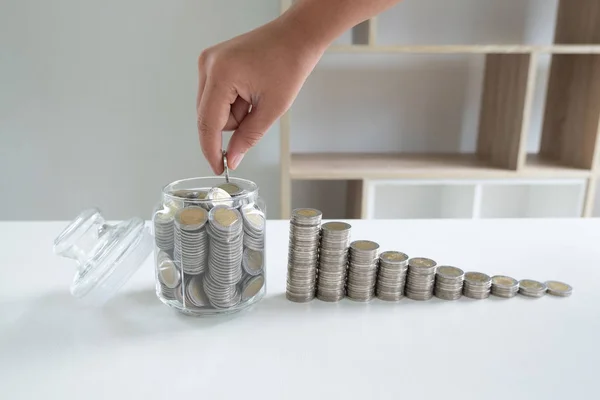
(53, 348)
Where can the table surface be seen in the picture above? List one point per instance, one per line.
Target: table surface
(53, 347)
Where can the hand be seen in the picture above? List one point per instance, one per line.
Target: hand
(247, 83)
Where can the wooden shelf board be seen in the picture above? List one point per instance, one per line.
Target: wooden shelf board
(467, 49)
(331, 166)
(535, 165)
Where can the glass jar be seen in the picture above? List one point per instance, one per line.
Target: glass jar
(209, 245)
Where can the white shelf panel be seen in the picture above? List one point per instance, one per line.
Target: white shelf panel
(533, 199)
(419, 199)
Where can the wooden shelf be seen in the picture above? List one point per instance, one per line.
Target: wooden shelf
(318, 166)
(467, 49)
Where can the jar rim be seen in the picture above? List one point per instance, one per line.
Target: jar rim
(195, 183)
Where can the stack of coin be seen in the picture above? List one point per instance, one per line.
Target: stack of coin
(164, 230)
(362, 270)
(531, 288)
(449, 282)
(392, 275)
(254, 227)
(303, 253)
(169, 275)
(504, 286)
(333, 260)
(560, 289)
(191, 240)
(477, 285)
(420, 279)
(225, 256)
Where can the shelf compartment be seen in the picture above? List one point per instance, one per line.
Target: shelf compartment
(337, 199)
(398, 199)
(537, 199)
(325, 166)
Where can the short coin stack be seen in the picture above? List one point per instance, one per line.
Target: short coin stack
(225, 256)
(560, 289)
(449, 282)
(392, 275)
(477, 285)
(333, 261)
(191, 243)
(531, 288)
(504, 286)
(362, 270)
(303, 254)
(420, 279)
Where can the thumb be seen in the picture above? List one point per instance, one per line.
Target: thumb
(250, 131)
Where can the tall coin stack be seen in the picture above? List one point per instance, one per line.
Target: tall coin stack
(333, 261)
(164, 231)
(191, 243)
(449, 282)
(420, 279)
(303, 254)
(362, 270)
(504, 286)
(477, 285)
(225, 256)
(392, 275)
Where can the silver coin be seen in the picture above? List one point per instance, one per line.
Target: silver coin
(252, 286)
(168, 274)
(557, 288)
(191, 218)
(194, 291)
(218, 196)
(252, 261)
(531, 288)
(231, 188)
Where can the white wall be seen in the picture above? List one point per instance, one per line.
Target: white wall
(97, 98)
(97, 102)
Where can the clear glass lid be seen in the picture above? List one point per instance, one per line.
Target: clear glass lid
(106, 255)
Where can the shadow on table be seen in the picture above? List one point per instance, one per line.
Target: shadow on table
(57, 321)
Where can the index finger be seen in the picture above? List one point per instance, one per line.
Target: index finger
(213, 112)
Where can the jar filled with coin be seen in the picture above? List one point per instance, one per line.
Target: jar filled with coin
(209, 242)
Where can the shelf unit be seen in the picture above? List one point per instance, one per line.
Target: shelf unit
(568, 155)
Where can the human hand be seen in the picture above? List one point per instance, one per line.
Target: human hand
(246, 83)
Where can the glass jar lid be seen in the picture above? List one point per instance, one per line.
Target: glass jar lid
(106, 255)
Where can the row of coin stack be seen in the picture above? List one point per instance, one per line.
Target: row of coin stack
(324, 263)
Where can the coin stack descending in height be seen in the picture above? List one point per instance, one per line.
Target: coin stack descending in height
(333, 261)
(225, 232)
(531, 288)
(420, 279)
(449, 282)
(303, 254)
(504, 286)
(362, 270)
(391, 278)
(477, 285)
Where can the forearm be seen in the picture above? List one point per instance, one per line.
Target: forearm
(322, 21)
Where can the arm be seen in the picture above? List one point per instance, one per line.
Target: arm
(246, 83)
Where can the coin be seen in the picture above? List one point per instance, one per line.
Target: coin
(420, 279)
(331, 278)
(560, 289)
(477, 285)
(303, 251)
(231, 188)
(449, 282)
(219, 196)
(168, 273)
(504, 286)
(362, 270)
(251, 286)
(194, 292)
(531, 288)
(393, 266)
(164, 225)
(191, 218)
(252, 261)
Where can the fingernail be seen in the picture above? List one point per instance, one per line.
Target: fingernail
(236, 160)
